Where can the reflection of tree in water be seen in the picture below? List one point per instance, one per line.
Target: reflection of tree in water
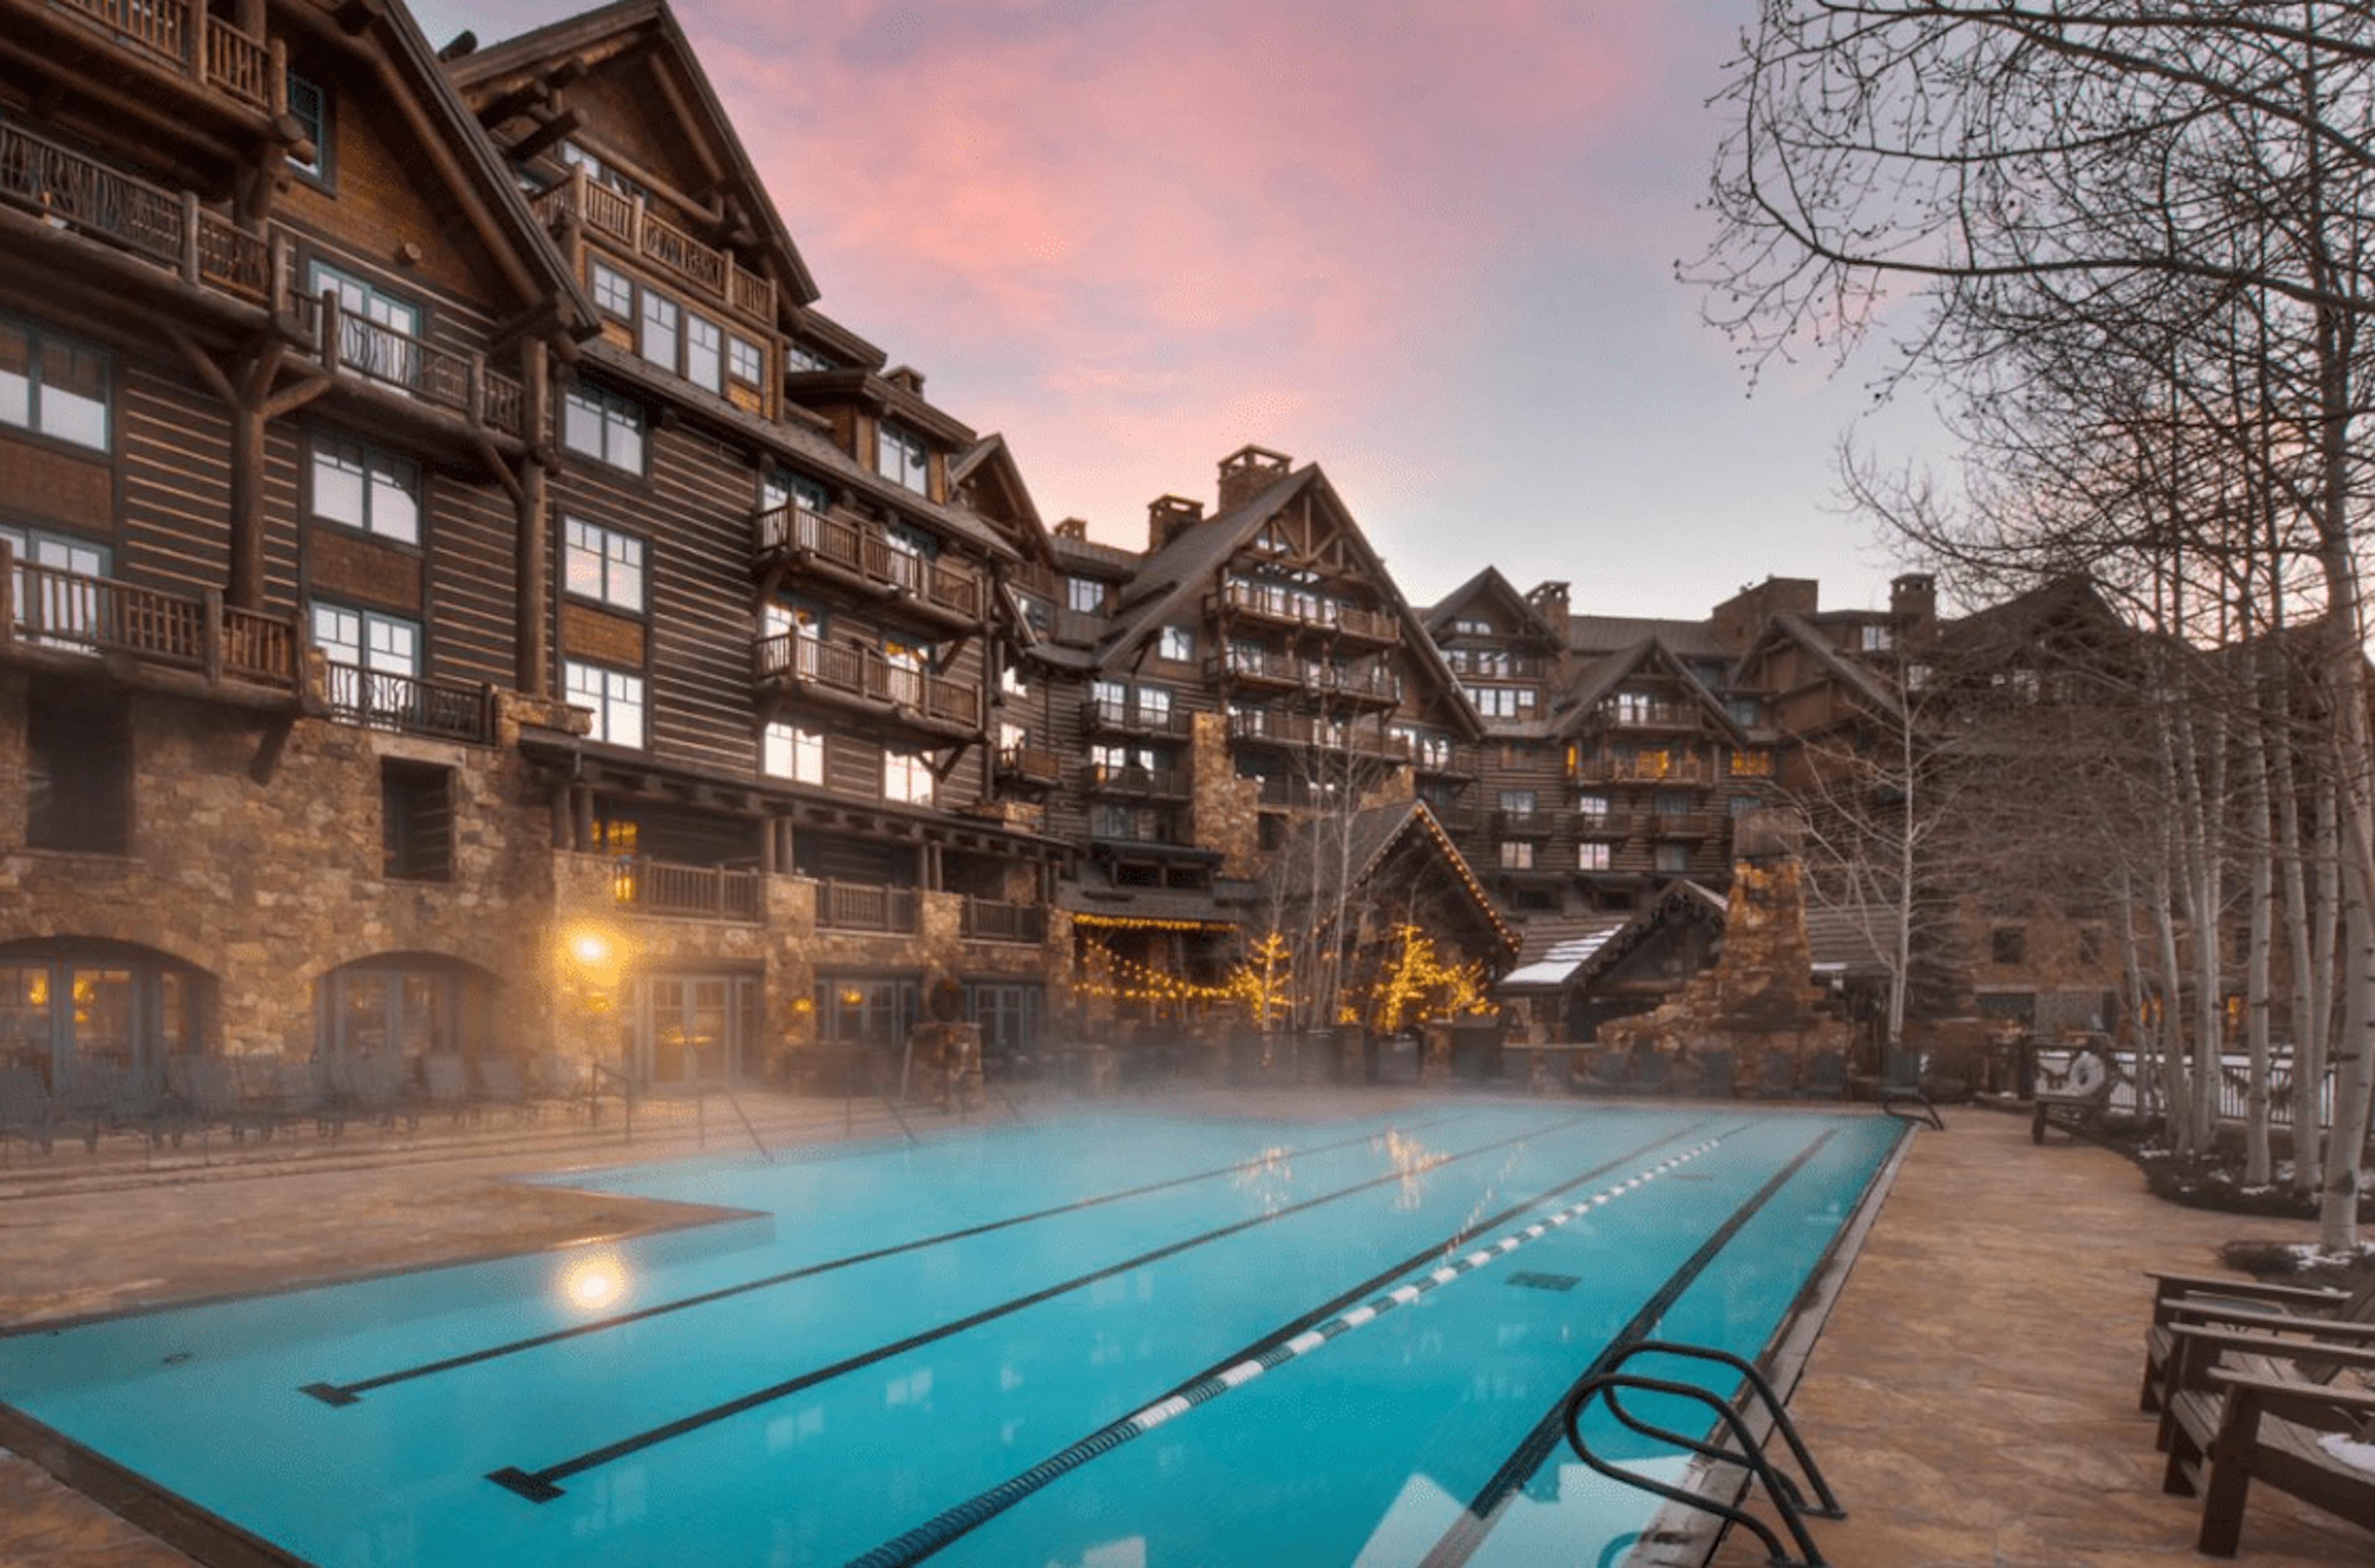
(1269, 1175)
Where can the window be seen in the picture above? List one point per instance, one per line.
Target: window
(1154, 704)
(52, 385)
(1671, 857)
(600, 173)
(1632, 707)
(1752, 764)
(1085, 595)
(602, 424)
(656, 340)
(1874, 638)
(1516, 854)
(1518, 802)
(900, 455)
(801, 357)
(1745, 711)
(68, 612)
(372, 659)
(1112, 699)
(2008, 944)
(1469, 625)
(613, 293)
(614, 697)
(1591, 807)
(362, 489)
(1175, 642)
(377, 332)
(1743, 806)
(746, 361)
(778, 620)
(906, 778)
(416, 803)
(791, 752)
(309, 105)
(704, 353)
(782, 488)
(603, 564)
(1592, 856)
(77, 774)
(1010, 681)
(1504, 702)
(1669, 803)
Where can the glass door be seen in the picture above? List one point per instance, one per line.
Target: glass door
(687, 1033)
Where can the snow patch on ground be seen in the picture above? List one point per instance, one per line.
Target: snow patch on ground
(2360, 1455)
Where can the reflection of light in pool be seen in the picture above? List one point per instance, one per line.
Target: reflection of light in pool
(593, 1283)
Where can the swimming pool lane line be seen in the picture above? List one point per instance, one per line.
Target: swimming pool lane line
(343, 1394)
(1460, 1542)
(1338, 1316)
(537, 1486)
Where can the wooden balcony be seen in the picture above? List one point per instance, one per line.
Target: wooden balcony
(182, 38)
(1306, 611)
(1441, 757)
(412, 705)
(1127, 718)
(461, 384)
(711, 273)
(1304, 730)
(1144, 783)
(1078, 628)
(45, 608)
(1610, 825)
(1032, 766)
(1260, 669)
(1526, 824)
(853, 677)
(167, 229)
(866, 906)
(993, 920)
(1651, 715)
(1472, 664)
(1650, 768)
(1682, 825)
(862, 559)
(708, 892)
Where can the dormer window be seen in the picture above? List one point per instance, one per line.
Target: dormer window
(1085, 595)
(1874, 637)
(901, 455)
(1469, 625)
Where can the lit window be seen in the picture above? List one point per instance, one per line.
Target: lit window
(52, 385)
(1592, 856)
(791, 752)
(1632, 707)
(612, 292)
(602, 424)
(614, 697)
(1176, 643)
(365, 489)
(900, 455)
(1592, 805)
(906, 778)
(704, 347)
(746, 361)
(1516, 854)
(1154, 704)
(603, 564)
(309, 105)
(658, 339)
(1085, 595)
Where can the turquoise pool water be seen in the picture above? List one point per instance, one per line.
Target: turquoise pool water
(1105, 1341)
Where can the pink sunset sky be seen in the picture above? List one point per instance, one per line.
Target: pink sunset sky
(1431, 246)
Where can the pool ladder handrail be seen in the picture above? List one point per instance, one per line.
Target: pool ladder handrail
(1789, 1502)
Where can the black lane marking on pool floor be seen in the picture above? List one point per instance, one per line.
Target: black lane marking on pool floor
(1468, 1532)
(537, 1486)
(343, 1394)
(947, 1527)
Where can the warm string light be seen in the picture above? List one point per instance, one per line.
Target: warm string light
(1418, 987)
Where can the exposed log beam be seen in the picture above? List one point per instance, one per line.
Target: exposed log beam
(549, 132)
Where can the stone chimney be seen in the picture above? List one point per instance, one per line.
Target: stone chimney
(1072, 528)
(1167, 517)
(1248, 471)
(907, 378)
(1551, 599)
(1913, 600)
(1740, 617)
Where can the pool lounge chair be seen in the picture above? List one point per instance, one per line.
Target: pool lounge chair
(2248, 1305)
(2249, 1407)
(1900, 1091)
(447, 1081)
(24, 1108)
(500, 1084)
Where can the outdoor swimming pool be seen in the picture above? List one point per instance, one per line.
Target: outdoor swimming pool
(1119, 1341)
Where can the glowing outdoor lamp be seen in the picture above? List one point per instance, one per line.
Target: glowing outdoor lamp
(592, 1283)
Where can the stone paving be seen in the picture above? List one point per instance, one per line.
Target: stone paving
(1973, 1397)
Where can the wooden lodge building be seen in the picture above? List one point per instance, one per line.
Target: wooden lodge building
(462, 593)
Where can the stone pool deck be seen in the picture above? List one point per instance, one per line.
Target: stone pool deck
(1973, 1397)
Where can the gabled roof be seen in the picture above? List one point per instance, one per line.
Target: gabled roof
(1331, 853)
(1179, 571)
(541, 270)
(705, 116)
(1600, 678)
(1792, 627)
(990, 462)
(1595, 952)
(1489, 584)
(1606, 633)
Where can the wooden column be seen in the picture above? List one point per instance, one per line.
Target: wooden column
(247, 424)
(767, 846)
(581, 803)
(531, 631)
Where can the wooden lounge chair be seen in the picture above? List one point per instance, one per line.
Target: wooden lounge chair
(2247, 1407)
(2346, 1315)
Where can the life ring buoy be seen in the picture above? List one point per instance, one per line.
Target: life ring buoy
(2086, 1075)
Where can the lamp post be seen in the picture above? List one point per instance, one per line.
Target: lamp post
(592, 958)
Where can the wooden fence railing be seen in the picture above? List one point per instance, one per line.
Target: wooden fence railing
(71, 610)
(713, 272)
(866, 549)
(181, 33)
(993, 920)
(415, 704)
(865, 672)
(866, 906)
(661, 887)
(168, 228)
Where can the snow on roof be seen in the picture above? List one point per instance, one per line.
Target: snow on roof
(1562, 958)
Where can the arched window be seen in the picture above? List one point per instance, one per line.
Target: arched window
(403, 1006)
(69, 1003)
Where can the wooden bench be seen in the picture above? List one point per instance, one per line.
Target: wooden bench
(2244, 1408)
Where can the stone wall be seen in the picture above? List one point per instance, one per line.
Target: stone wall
(1225, 811)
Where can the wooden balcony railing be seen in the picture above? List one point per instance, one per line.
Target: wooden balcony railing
(1127, 718)
(1494, 664)
(865, 550)
(712, 272)
(866, 906)
(459, 383)
(1650, 767)
(1301, 729)
(860, 671)
(660, 886)
(179, 33)
(1080, 629)
(1509, 824)
(1154, 784)
(1431, 754)
(1603, 824)
(993, 920)
(1033, 764)
(1650, 715)
(1301, 608)
(168, 228)
(68, 610)
(414, 704)
(1682, 824)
